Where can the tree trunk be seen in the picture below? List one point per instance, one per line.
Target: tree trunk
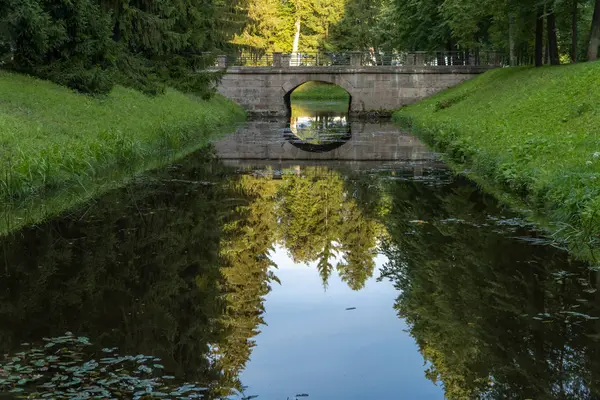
(511, 39)
(552, 40)
(539, 37)
(595, 34)
(296, 37)
(575, 14)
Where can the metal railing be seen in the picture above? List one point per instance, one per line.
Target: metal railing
(365, 59)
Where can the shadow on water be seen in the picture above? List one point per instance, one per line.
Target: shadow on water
(176, 269)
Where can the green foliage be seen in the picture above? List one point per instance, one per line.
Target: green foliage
(54, 140)
(530, 132)
(65, 41)
(272, 24)
(355, 30)
(91, 45)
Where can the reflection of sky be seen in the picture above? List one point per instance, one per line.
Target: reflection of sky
(313, 345)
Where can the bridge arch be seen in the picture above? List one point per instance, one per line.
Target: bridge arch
(292, 84)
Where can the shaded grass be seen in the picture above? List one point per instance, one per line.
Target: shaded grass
(319, 91)
(58, 147)
(531, 136)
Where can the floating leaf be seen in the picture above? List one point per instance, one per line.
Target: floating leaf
(109, 350)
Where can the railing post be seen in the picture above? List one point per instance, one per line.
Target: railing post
(420, 58)
(355, 59)
(285, 60)
(277, 59)
(222, 61)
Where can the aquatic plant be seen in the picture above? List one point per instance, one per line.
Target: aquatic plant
(69, 367)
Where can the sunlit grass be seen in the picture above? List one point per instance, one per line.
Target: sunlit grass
(54, 140)
(319, 91)
(530, 135)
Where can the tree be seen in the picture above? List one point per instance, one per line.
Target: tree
(595, 34)
(574, 30)
(539, 37)
(92, 45)
(289, 26)
(357, 28)
(266, 28)
(552, 39)
(67, 42)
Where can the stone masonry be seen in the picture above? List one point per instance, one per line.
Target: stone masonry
(265, 90)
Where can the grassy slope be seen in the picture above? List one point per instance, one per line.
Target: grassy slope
(319, 91)
(532, 136)
(58, 147)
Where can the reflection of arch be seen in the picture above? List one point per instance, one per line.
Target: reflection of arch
(290, 85)
(312, 147)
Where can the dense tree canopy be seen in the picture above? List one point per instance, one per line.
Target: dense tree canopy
(563, 27)
(93, 44)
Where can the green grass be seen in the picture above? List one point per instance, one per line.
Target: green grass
(531, 136)
(58, 147)
(319, 91)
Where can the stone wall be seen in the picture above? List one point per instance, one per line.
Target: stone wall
(262, 90)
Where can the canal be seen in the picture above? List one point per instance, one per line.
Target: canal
(317, 257)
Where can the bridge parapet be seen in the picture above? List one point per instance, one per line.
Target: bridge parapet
(365, 59)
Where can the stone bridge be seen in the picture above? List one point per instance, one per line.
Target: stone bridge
(266, 90)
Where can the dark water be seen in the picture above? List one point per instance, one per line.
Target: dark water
(258, 268)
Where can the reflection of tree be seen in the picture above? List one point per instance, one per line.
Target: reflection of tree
(246, 268)
(319, 129)
(318, 126)
(496, 318)
(137, 270)
(177, 264)
(321, 221)
(311, 213)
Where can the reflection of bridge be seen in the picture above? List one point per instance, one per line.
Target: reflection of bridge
(371, 145)
(373, 88)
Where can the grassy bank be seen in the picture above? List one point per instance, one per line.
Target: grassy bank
(58, 147)
(530, 136)
(319, 91)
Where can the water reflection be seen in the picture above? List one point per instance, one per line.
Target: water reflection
(181, 265)
(318, 126)
(498, 311)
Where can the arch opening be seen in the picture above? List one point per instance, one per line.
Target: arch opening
(318, 116)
